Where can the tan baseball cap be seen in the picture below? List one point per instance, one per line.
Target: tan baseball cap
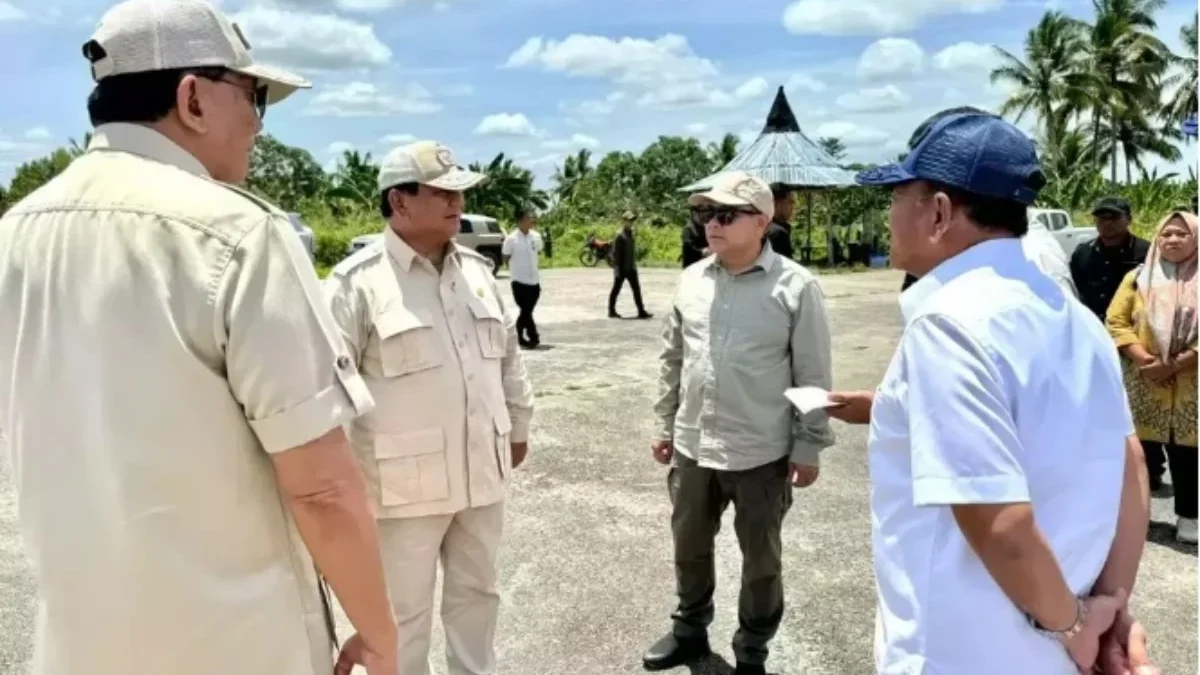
(140, 36)
(738, 188)
(428, 163)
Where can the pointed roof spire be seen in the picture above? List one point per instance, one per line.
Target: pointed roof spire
(781, 119)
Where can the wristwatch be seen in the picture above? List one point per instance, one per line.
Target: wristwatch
(1075, 628)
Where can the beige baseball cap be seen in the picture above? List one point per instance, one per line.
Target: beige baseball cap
(738, 188)
(140, 36)
(428, 163)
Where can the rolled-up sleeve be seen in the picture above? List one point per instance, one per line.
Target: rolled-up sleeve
(812, 366)
(518, 390)
(285, 359)
(965, 448)
(670, 368)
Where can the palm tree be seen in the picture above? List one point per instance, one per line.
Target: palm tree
(1136, 136)
(1125, 67)
(834, 147)
(1183, 100)
(77, 148)
(574, 169)
(723, 151)
(507, 187)
(1042, 80)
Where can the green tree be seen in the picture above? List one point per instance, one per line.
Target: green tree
(34, 174)
(1183, 98)
(285, 175)
(834, 147)
(574, 169)
(356, 177)
(507, 187)
(723, 151)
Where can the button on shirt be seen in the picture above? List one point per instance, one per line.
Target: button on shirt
(522, 249)
(161, 335)
(1098, 270)
(731, 345)
(439, 353)
(1017, 399)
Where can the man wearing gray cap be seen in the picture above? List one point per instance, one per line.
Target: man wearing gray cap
(175, 386)
(423, 321)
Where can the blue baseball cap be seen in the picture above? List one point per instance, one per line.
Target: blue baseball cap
(976, 152)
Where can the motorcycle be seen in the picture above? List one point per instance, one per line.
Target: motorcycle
(595, 250)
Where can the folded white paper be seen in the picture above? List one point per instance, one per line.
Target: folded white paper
(808, 399)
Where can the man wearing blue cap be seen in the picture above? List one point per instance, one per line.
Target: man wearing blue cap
(985, 417)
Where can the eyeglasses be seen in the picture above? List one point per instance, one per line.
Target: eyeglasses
(257, 95)
(724, 215)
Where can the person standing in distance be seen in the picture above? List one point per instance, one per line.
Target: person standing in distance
(520, 249)
(423, 321)
(755, 322)
(984, 419)
(779, 232)
(624, 257)
(177, 325)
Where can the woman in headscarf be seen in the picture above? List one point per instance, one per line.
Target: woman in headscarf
(1152, 318)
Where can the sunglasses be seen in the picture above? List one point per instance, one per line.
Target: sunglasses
(724, 215)
(257, 95)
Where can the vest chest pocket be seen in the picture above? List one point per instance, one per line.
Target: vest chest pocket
(489, 328)
(412, 467)
(408, 342)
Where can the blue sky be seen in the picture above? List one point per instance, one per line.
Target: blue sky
(538, 79)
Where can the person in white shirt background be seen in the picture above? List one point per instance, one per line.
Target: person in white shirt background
(1004, 399)
(520, 249)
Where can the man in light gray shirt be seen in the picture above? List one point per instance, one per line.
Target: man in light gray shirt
(745, 325)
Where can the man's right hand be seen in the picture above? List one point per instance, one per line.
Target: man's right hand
(1124, 650)
(356, 653)
(851, 407)
(662, 451)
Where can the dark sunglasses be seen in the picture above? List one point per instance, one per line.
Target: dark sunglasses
(257, 95)
(724, 215)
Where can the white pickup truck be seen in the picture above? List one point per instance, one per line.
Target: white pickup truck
(1058, 223)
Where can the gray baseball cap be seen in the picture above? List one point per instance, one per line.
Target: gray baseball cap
(140, 36)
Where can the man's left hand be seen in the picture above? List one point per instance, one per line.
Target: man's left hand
(519, 450)
(803, 475)
(1123, 649)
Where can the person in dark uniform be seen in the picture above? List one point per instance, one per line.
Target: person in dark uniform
(695, 243)
(779, 232)
(909, 280)
(624, 255)
(1097, 268)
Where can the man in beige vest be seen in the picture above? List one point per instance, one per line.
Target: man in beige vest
(172, 386)
(437, 347)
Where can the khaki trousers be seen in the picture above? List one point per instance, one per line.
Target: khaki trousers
(466, 543)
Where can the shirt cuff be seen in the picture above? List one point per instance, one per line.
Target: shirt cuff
(335, 406)
(665, 429)
(806, 453)
(979, 490)
(522, 420)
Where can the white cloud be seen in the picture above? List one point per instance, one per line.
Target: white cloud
(687, 94)
(595, 108)
(891, 58)
(392, 140)
(634, 61)
(575, 141)
(752, 88)
(879, 99)
(873, 17)
(336, 148)
(10, 12)
(966, 56)
(362, 99)
(805, 82)
(506, 124)
(38, 134)
(311, 41)
(441, 6)
(853, 135)
(696, 128)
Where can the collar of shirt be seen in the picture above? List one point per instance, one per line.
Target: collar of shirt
(983, 254)
(145, 142)
(404, 255)
(765, 261)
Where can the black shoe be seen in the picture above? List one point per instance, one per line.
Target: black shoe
(645, 315)
(749, 669)
(672, 651)
(613, 315)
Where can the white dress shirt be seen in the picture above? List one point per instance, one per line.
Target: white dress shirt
(1002, 390)
(522, 249)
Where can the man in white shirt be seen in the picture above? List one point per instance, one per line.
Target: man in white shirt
(992, 411)
(521, 248)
